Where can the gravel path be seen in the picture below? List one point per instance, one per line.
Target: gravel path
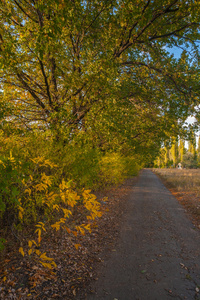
(158, 252)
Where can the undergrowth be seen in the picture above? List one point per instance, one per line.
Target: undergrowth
(45, 185)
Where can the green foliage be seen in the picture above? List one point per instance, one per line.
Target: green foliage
(100, 66)
(189, 161)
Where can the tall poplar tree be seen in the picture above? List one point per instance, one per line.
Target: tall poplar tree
(174, 151)
(192, 144)
(181, 149)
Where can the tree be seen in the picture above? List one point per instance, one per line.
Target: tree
(192, 144)
(96, 65)
(174, 151)
(166, 156)
(181, 149)
(198, 152)
(189, 161)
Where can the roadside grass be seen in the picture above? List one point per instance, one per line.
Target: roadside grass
(182, 179)
(184, 184)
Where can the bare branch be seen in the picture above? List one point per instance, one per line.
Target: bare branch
(21, 8)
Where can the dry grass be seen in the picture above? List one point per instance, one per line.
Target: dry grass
(185, 186)
(181, 179)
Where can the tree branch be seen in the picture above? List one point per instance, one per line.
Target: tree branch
(46, 82)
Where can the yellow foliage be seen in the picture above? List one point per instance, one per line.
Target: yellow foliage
(21, 251)
(39, 190)
(44, 257)
(20, 213)
(56, 226)
(55, 206)
(2, 164)
(46, 179)
(77, 246)
(46, 265)
(41, 161)
(28, 191)
(87, 227)
(39, 235)
(11, 158)
(38, 252)
(41, 187)
(67, 212)
(80, 229)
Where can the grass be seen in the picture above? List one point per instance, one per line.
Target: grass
(181, 179)
(184, 184)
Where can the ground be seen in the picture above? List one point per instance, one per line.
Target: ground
(21, 278)
(157, 252)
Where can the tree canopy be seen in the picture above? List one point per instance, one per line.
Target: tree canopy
(102, 67)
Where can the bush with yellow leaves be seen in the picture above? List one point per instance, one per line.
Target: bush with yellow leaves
(37, 196)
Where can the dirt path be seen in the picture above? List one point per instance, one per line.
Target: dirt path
(158, 252)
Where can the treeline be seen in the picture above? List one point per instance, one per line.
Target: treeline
(178, 155)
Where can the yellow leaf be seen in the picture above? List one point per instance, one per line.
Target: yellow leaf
(39, 236)
(56, 226)
(77, 246)
(44, 257)
(80, 229)
(34, 242)
(38, 252)
(68, 230)
(54, 264)
(30, 243)
(67, 212)
(30, 251)
(41, 223)
(55, 206)
(4, 279)
(28, 191)
(87, 227)
(20, 215)
(21, 251)
(2, 163)
(46, 265)
(74, 233)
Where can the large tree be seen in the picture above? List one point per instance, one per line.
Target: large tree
(102, 66)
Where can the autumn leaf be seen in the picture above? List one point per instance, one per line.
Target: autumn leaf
(77, 246)
(21, 251)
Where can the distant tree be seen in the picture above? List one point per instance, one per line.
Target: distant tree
(189, 161)
(181, 149)
(198, 151)
(174, 151)
(166, 156)
(192, 144)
